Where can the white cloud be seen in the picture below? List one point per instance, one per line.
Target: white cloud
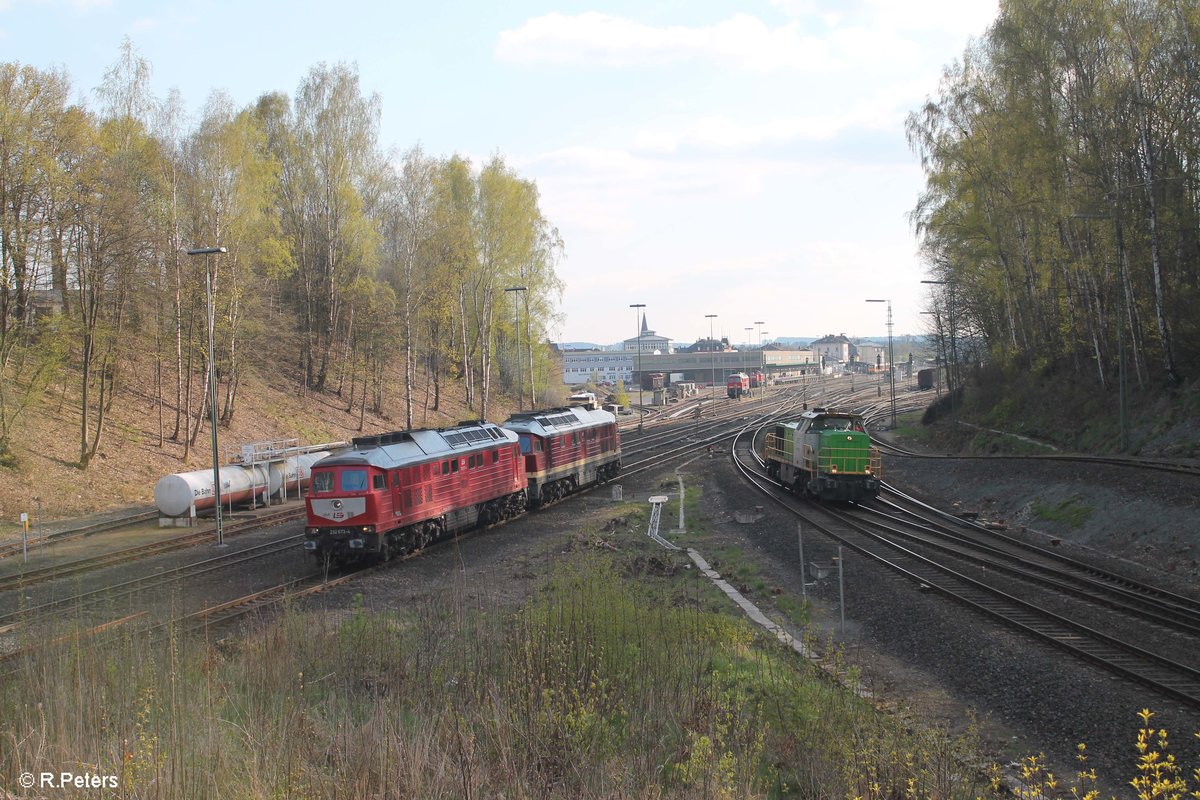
(595, 38)
(870, 33)
(728, 134)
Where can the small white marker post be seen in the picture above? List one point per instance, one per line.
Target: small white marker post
(24, 537)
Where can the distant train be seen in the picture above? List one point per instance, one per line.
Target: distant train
(737, 385)
(825, 454)
(397, 492)
(757, 379)
(584, 400)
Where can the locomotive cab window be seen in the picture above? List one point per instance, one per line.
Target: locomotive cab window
(354, 480)
(495, 456)
(322, 482)
(379, 481)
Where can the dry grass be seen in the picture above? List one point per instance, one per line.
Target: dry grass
(130, 459)
(611, 682)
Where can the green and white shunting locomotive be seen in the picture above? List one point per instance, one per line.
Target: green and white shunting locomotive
(825, 454)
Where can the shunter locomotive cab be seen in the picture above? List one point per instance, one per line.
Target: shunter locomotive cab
(826, 454)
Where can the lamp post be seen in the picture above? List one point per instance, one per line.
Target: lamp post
(940, 357)
(637, 332)
(746, 352)
(713, 354)
(212, 384)
(517, 326)
(891, 362)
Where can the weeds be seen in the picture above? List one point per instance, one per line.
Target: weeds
(599, 687)
(1071, 511)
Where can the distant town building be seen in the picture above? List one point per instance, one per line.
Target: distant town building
(834, 349)
(610, 366)
(647, 341)
(871, 355)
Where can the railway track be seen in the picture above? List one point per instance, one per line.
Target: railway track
(9, 549)
(12, 621)
(933, 568)
(28, 577)
(1149, 464)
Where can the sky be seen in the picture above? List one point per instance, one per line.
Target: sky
(741, 159)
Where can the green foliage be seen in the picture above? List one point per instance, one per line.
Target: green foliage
(1047, 196)
(1071, 511)
(621, 394)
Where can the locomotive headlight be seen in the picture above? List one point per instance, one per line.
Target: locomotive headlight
(337, 503)
(833, 468)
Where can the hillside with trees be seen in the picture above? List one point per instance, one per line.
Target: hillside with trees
(369, 280)
(1061, 214)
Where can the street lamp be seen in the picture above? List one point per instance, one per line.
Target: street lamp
(517, 326)
(713, 354)
(637, 331)
(212, 384)
(891, 361)
(745, 364)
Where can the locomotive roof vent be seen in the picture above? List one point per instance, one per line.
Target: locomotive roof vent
(377, 439)
(466, 436)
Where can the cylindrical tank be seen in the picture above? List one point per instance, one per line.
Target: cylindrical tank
(175, 494)
(288, 472)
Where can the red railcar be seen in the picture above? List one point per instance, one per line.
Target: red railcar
(737, 385)
(566, 449)
(399, 491)
(757, 379)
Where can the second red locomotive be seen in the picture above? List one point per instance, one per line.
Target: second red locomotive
(566, 448)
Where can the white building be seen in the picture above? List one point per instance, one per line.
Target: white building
(832, 350)
(580, 366)
(610, 366)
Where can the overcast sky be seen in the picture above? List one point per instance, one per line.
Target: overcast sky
(741, 159)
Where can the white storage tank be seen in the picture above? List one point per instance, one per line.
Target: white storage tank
(293, 470)
(176, 494)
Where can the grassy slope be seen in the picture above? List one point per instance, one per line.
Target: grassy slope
(130, 459)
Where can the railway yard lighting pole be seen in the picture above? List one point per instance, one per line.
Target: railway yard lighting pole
(637, 332)
(891, 362)
(746, 365)
(762, 361)
(212, 383)
(517, 326)
(713, 353)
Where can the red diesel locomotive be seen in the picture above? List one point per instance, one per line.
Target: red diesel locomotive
(397, 492)
(737, 385)
(566, 448)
